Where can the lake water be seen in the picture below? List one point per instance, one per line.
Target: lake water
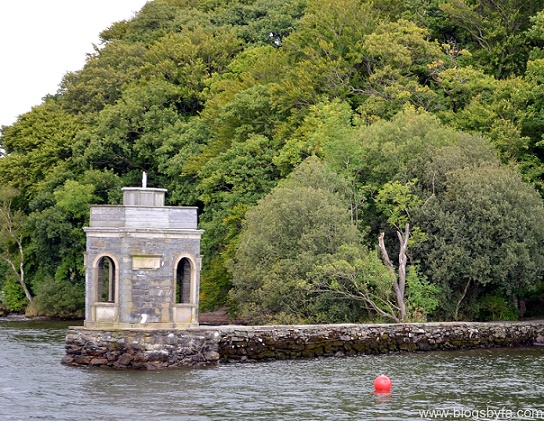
(499, 384)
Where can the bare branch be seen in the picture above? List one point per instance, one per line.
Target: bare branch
(11, 236)
(385, 256)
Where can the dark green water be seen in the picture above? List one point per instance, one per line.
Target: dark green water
(476, 384)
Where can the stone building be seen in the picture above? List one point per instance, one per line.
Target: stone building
(142, 263)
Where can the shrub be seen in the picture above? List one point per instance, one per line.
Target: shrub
(494, 307)
(60, 299)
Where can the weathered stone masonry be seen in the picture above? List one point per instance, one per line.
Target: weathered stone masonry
(142, 263)
(154, 349)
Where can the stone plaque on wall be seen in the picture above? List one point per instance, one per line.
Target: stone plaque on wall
(146, 262)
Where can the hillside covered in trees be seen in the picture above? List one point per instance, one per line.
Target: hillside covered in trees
(351, 160)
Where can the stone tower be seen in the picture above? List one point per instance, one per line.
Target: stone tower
(142, 263)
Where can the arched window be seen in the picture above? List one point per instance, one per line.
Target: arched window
(106, 280)
(183, 281)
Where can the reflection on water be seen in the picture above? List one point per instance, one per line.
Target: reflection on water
(34, 385)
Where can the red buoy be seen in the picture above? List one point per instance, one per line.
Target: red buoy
(382, 384)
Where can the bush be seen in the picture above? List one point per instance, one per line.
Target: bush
(60, 299)
(293, 230)
(494, 307)
(12, 296)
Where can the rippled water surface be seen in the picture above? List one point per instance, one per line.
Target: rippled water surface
(34, 385)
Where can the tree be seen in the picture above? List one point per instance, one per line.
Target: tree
(102, 80)
(382, 289)
(485, 228)
(398, 293)
(229, 185)
(262, 22)
(36, 146)
(290, 232)
(358, 275)
(388, 145)
(494, 31)
(396, 200)
(12, 251)
(326, 125)
(325, 52)
(220, 100)
(58, 240)
(399, 66)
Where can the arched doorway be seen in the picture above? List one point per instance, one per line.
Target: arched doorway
(106, 280)
(105, 274)
(185, 291)
(183, 281)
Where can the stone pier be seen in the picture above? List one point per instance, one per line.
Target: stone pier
(141, 348)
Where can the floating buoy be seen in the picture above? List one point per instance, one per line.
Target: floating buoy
(382, 384)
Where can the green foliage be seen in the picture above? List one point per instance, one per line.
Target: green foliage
(60, 299)
(75, 198)
(262, 21)
(155, 20)
(401, 63)
(493, 308)
(388, 145)
(12, 296)
(12, 251)
(487, 231)
(357, 274)
(57, 240)
(290, 231)
(433, 165)
(494, 30)
(395, 200)
(422, 296)
(323, 132)
(215, 283)
(417, 109)
(102, 80)
(230, 184)
(325, 53)
(36, 146)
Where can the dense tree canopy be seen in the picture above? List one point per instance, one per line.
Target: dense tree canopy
(297, 226)
(227, 102)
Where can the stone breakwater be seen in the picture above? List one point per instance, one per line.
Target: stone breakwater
(156, 349)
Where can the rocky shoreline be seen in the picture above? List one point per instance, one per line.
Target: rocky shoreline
(210, 345)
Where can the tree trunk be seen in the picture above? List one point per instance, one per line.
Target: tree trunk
(456, 314)
(22, 274)
(403, 260)
(11, 232)
(399, 282)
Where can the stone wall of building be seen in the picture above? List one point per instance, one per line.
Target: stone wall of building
(153, 349)
(146, 272)
(139, 256)
(141, 348)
